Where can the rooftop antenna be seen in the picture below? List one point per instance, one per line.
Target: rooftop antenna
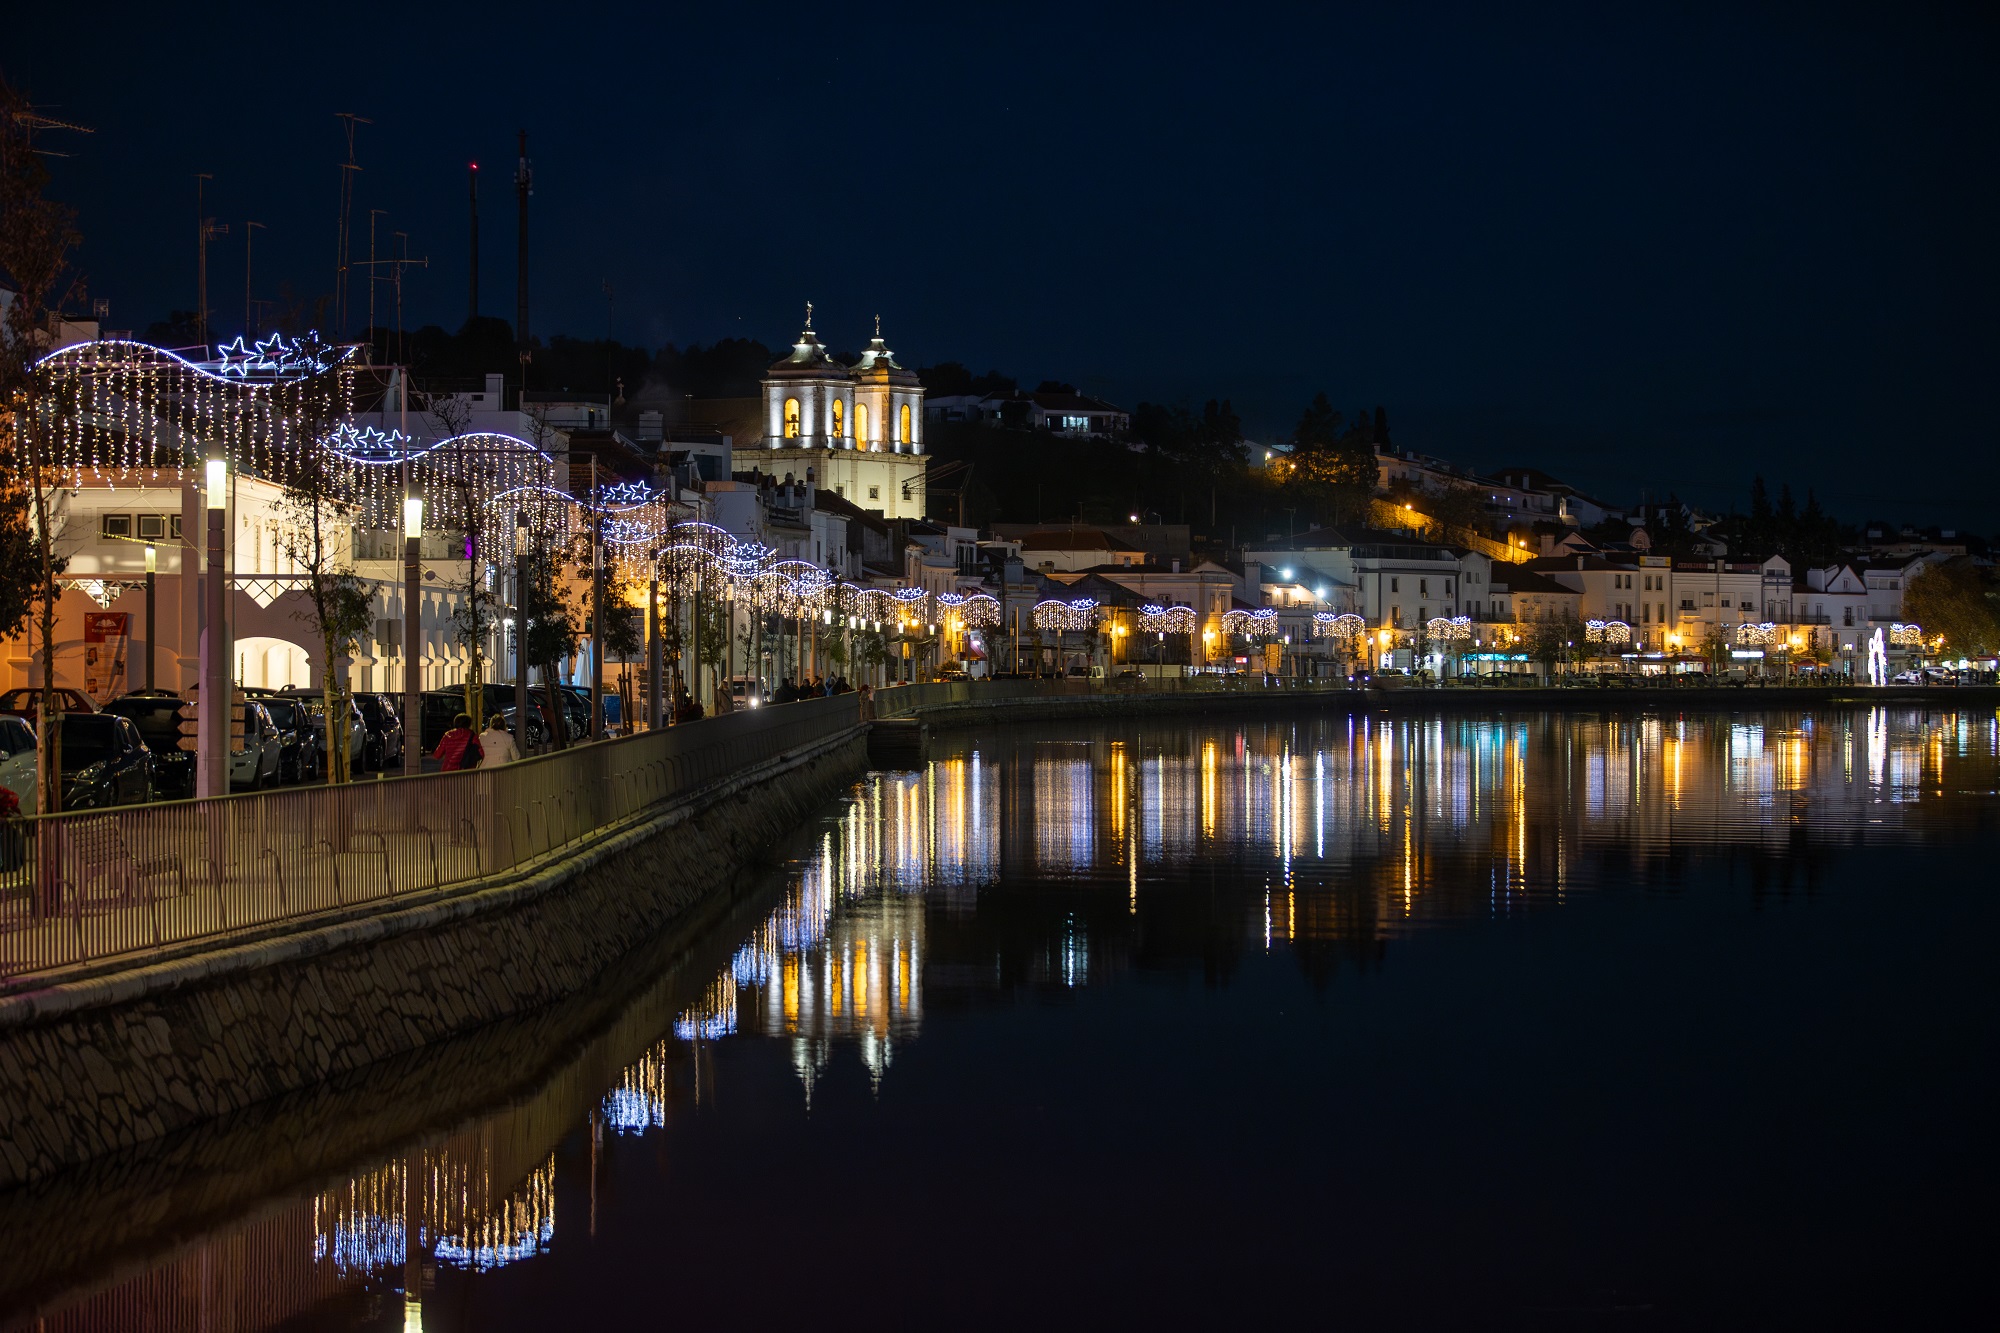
(524, 186)
(250, 229)
(373, 213)
(31, 120)
(404, 261)
(206, 229)
(343, 254)
(472, 284)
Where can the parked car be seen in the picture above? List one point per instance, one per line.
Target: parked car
(385, 729)
(300, 743)
(104, 762)
(313, 703)
(157, 715)
(17, 763)
(441, 706)
(256, 765)
(27, 701)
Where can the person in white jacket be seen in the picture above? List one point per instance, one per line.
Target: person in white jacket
(496, 745)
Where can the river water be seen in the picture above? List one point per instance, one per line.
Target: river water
(1547, 1020)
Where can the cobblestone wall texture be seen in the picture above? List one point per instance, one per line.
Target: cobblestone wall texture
(279, 1016)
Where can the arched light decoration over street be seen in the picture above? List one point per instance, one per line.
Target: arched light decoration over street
(1156, 619)
(1327, 625)
(1065, 617)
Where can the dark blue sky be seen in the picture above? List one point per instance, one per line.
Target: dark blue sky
(1653, 246)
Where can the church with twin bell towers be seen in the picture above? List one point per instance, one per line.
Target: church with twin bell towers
(858, 429)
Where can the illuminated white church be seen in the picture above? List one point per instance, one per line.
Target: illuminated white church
(859, 429)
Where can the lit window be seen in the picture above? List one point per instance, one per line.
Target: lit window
(791, 418)
(861, 425)
(903, 424)
(837, 432)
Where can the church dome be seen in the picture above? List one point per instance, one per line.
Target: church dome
(809, 358)
(878, 365)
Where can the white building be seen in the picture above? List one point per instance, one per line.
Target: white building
(857, 431)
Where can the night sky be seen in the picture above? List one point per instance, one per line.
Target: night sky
(1659, 247)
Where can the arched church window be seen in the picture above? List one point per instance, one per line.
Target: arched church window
(791, 418)
(837, 432)
(903, 424)
(861, 425)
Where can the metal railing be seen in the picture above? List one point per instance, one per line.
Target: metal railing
(98, 884)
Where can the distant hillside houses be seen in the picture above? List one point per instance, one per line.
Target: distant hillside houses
(1061, 411)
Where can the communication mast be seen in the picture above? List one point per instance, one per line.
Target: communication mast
(524, 186)
(343, 255)
(472, 297)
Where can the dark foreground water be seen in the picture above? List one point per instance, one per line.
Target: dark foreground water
(1550, 1021)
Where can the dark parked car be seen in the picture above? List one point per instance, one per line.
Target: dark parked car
(441, 706)
(313, 704)
(25, 701)
(385, 730)
(104, 762)
(299, 732)
(157, 716)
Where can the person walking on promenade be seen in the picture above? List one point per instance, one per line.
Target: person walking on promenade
(496, 746)
(458, 748)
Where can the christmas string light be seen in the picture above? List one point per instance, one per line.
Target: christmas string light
(1609, 631)
(1327, 625)
(1448, 628)
(1065, 617)
(1263, 620)
(1906, 636)
(1753, 633)
(1155, 619)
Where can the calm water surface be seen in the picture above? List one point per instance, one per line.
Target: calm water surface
(1546, 1020)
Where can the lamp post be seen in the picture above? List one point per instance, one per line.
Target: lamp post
(413, 633)
(655, 654)
(152, 566)
(521, 631)
(212, 729)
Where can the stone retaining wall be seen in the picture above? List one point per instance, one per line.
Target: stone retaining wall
(100, 1064)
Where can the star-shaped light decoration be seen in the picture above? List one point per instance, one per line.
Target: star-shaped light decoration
(235, 357)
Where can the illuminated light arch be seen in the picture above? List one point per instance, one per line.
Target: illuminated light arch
(1065, 617)
(1263, 620)
(1606, 631)
(1156, 619)
(1327, 625)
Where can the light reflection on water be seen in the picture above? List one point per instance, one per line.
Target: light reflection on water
(1352, 830)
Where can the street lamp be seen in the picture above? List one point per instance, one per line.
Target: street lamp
(212, 727)
(152, 567)
(413, 637)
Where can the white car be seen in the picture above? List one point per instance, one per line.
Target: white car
(17, 763)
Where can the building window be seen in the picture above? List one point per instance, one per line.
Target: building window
(1423, 587)
(837, 432)
(861, 425)
(115, 525)
(152, 526)
(791, 418)
(1396, 616)
(1395, 585)
(174, 526)
(874, 492)
(903, 424)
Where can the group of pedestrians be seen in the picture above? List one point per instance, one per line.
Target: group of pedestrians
(463, 748)
(818, 687)
(460, 748)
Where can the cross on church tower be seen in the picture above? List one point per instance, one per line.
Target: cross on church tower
(809, 316)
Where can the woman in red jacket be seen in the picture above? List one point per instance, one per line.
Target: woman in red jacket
(458, 748)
